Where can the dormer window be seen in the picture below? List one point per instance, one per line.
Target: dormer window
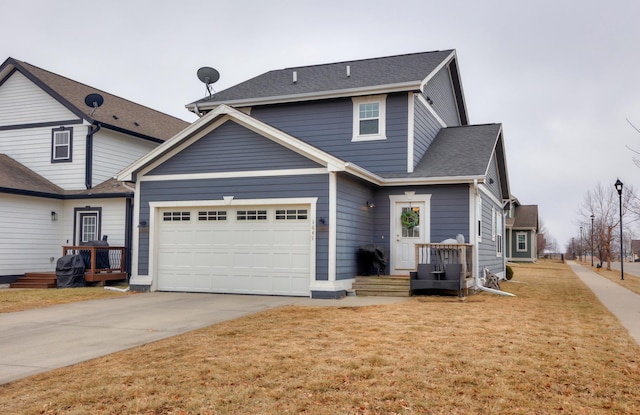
(61, 144)
(369, 118)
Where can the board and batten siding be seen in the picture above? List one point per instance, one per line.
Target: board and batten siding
(440, 90)
(240, 188)
(232, 147)
(354, 223)
(23, 102)
(426, 128)
(113, 151)
(30, 239)
(328, 125)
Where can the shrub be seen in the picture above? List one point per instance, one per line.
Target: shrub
(509, 273)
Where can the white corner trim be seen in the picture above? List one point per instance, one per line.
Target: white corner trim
(333, 227)
(410, 131)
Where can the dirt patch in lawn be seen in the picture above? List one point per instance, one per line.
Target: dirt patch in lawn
(551, 349)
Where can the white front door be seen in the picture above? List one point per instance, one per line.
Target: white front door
(410, 229)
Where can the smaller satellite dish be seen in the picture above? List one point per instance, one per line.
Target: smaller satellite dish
(93, 100)
(208, 75)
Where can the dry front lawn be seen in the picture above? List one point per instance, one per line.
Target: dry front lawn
(23, 299)
(553, 349)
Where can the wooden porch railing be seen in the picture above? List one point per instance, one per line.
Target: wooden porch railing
(442, 266)
(102, 263)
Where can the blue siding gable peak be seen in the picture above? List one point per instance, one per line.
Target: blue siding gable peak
(232, 147)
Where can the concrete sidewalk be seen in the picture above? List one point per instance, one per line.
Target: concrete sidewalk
(35, 341)
(624, 304)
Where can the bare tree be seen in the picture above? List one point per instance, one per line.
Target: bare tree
(603, 203)
(541, 238)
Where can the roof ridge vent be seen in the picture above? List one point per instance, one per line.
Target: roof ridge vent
(295, 77)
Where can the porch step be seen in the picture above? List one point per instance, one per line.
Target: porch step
(383, 285)
(36, 280)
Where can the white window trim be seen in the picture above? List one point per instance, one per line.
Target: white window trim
(526, 242)
(499, 238)
(479, 219)
(68, 145)
(382, 118)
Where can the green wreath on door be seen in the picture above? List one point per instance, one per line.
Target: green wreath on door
(410, 219)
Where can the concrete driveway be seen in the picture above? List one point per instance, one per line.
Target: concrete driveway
(35, 341)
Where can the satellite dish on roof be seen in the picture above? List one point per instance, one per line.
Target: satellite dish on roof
(208, 76)
(93, 101)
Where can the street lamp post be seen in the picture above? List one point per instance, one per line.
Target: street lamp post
(618, 186)
(580, 243)
(592, 218)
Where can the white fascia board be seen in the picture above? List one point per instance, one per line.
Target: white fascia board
(232, 174)
(433, 73)
(208, 123)
(311, 96)
(432, 111)
(126, 175)
(432, 180)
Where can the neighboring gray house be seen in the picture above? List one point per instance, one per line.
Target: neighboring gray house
(282, 179)
(522, 232)
(58, 158)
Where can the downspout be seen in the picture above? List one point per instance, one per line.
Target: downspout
(88, 169)
(478, 284)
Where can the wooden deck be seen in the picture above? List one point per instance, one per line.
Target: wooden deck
(105, 263)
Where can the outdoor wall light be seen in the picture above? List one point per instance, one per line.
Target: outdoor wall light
(142, 224)
(321, 221)
(54, 216)
(370, 204)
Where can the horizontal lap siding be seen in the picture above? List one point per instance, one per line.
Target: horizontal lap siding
(487, 249)
(328, 125)
(426, 127)
(22, 102)
(354, 224)
(232, 147)
(240, 188)
(492, 173)
(113, 151)
(449, 212)
(29, 236)
(440, 90)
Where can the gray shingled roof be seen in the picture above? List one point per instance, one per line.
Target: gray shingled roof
(150, 123)
(525, 217)
(366, 73)
(458, 152)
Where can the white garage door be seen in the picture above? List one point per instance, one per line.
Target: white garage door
(241, 250)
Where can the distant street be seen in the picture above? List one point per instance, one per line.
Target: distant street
(629, 267)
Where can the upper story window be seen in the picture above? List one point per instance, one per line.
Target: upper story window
(369, 118)
(61, 144)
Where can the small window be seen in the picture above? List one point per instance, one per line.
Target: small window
(369, 118)
(247, 215)
(61, 144)
(521, 240)
(291, 214)
(176, 216)
(216, 215)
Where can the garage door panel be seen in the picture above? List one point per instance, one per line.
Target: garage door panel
(245, 250)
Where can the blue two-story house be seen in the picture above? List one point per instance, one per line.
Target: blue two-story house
(285, 176)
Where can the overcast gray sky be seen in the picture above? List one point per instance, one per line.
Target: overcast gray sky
(562, 76)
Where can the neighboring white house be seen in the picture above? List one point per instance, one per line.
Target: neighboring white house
(61, 143)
